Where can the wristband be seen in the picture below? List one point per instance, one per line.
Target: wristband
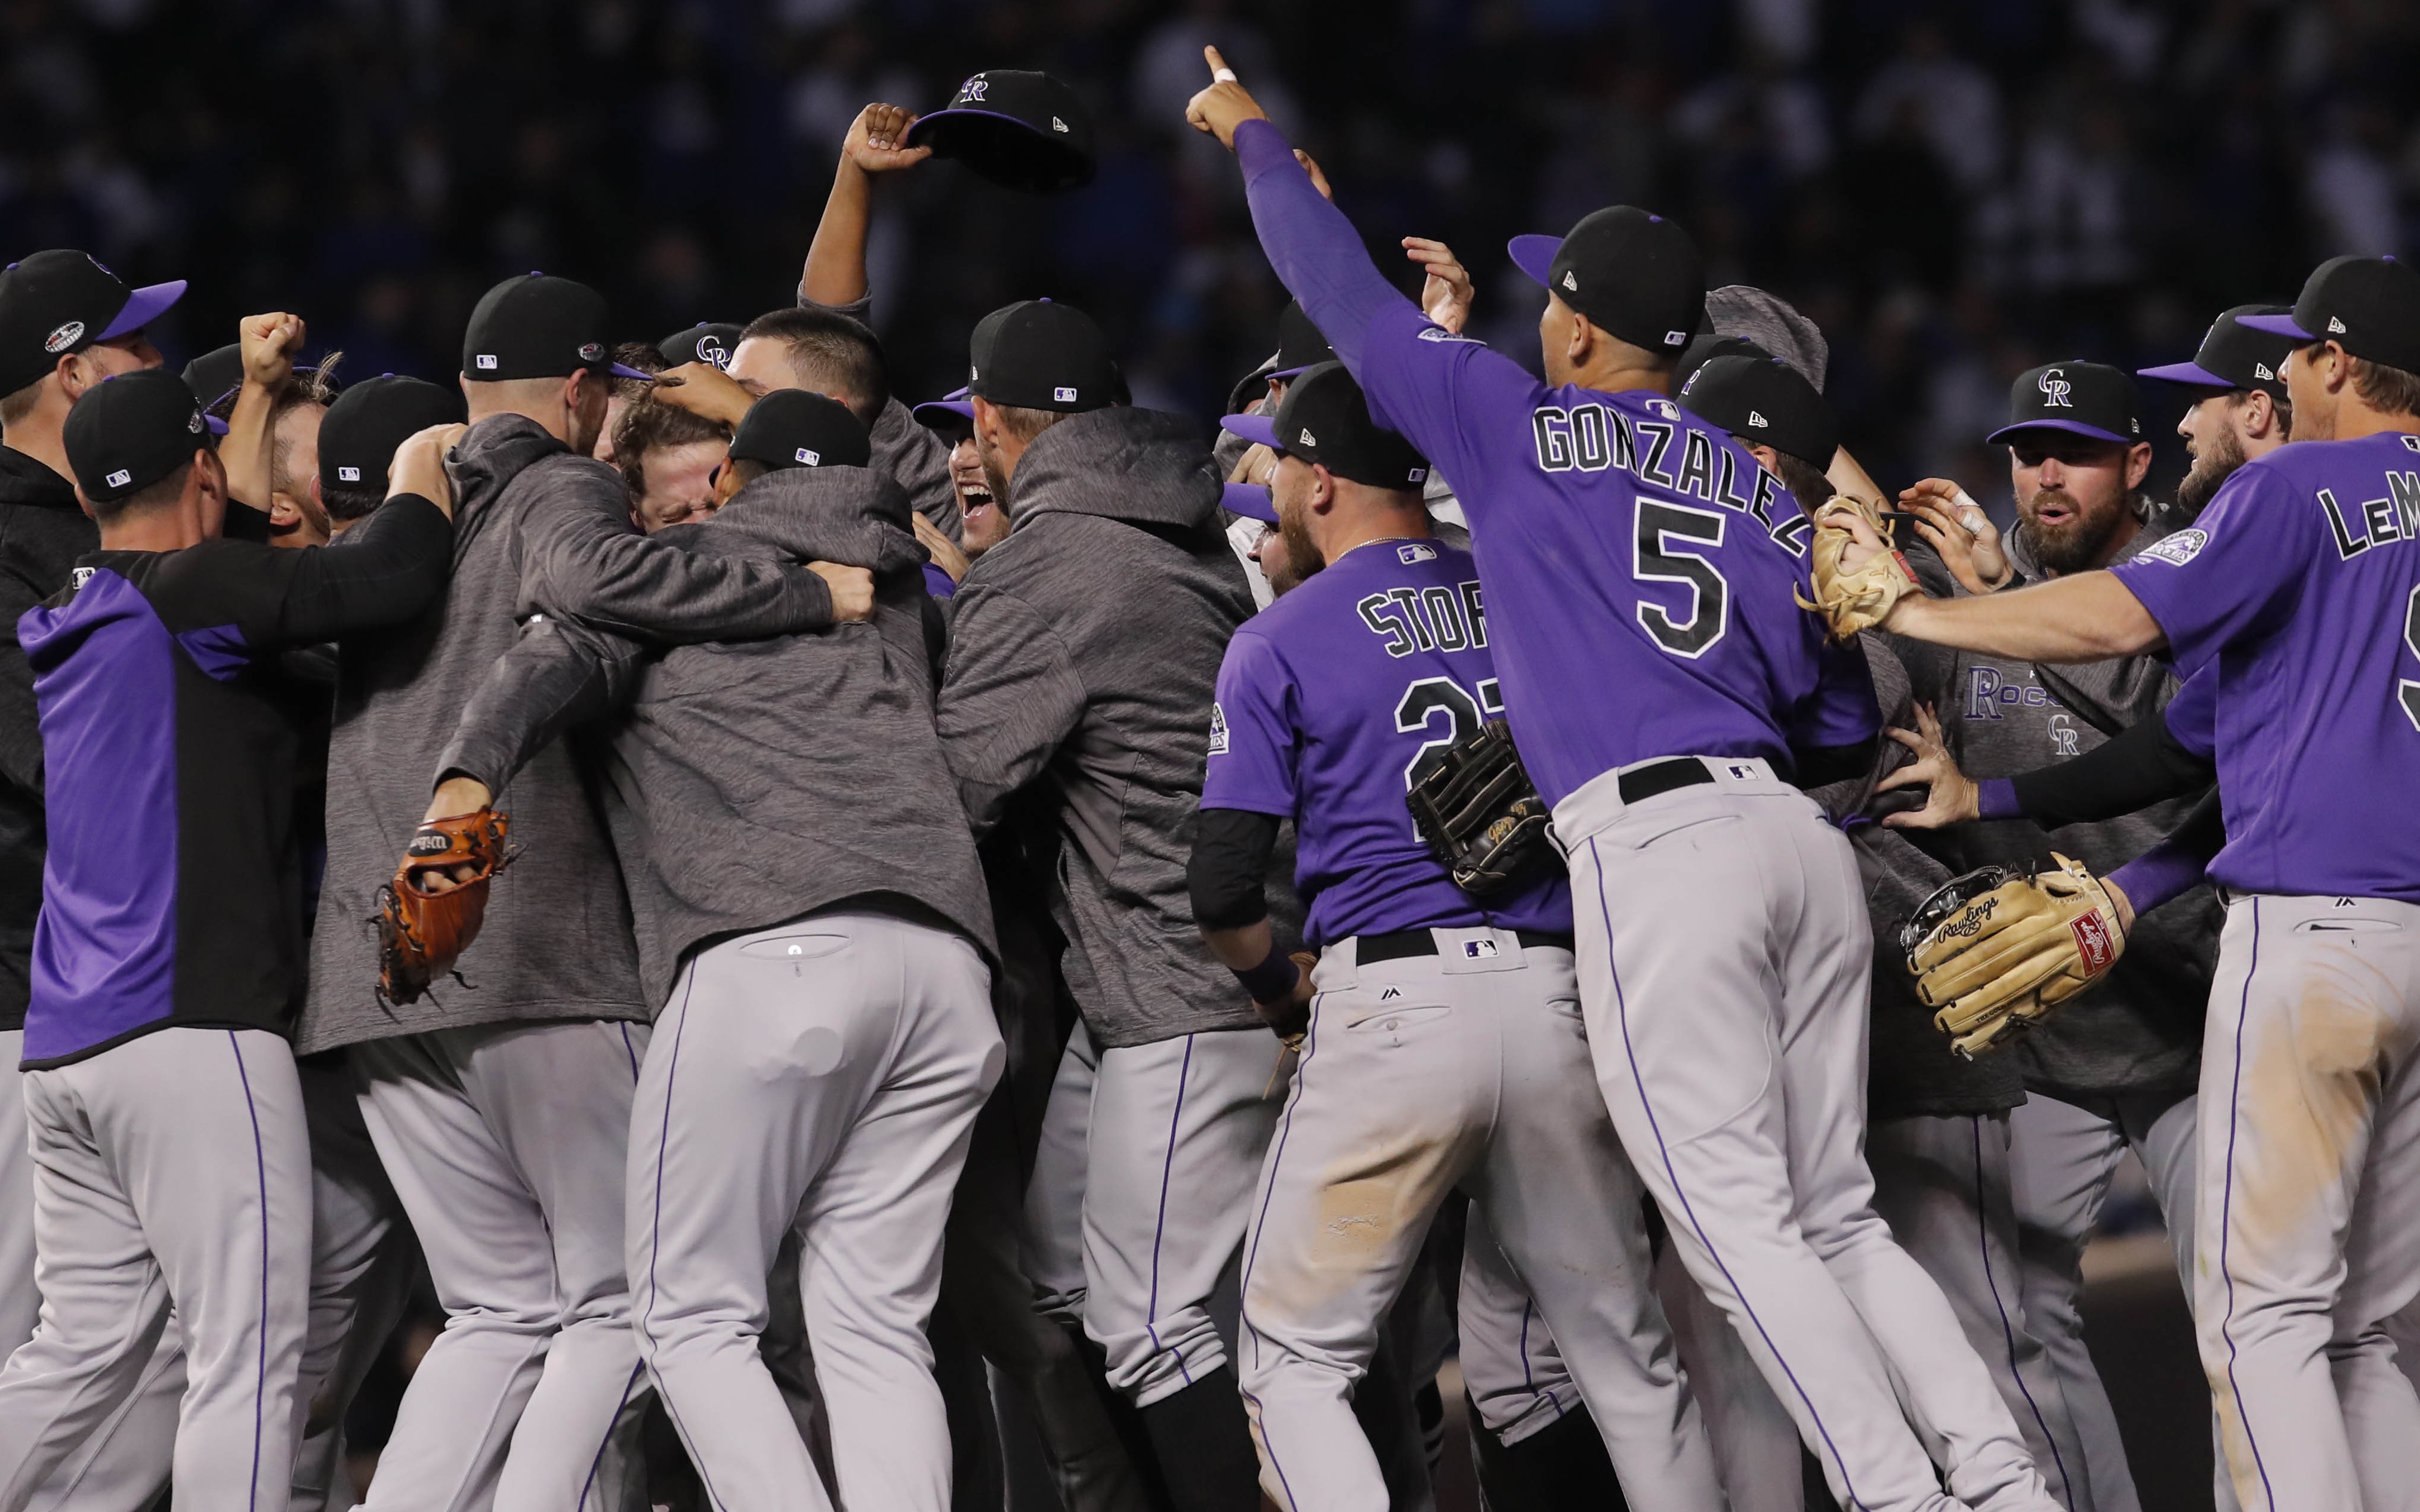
(2165, 871)
(1273, 980)
(1995, 797)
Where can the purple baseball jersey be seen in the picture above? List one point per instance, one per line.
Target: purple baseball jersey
(2298, 590)
(2191, 714)
(1642, 566)
(1331, 703)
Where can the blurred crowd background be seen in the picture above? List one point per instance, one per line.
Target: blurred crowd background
(1955, 192)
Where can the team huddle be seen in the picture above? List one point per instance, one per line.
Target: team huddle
(834, 919)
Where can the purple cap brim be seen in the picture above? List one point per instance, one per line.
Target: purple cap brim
(1535, 255)
(218, 426)
(946, 412)
(2074, 427)
(625, 370)
(1294, 372)
(2192, 374)
(2276, 325)
(143, 306)
(1261, 430)
(1250, 501)
(915, 131)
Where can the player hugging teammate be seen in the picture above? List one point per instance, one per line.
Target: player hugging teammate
(869, 918)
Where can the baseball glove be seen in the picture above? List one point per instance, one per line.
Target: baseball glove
(1481, 814)
(1851, 601)
(421, 933)
(1996, 949)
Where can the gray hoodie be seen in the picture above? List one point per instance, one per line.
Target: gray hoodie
(752, 783)
(536, 528)
(2141, 1030)
(1083, 656)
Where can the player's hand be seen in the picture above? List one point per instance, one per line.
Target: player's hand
(852, 590)
(945, 551)
(1447, 294)
(1257, 466)
(419, 467)
(878, 141)
(1960, 531)
(1318, 180)
(1953, 797)
(706, 391)
(1225, 105)
(454, 796)
(267, 343)
(1290, 1019)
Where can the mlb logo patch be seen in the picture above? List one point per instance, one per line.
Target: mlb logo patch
(1675, 338)
(1479, 951)
(1412, 552)
(1418, 475)
(810, 457)
(118, 479)
(1063, 395)
(348, 474)
(484, 362)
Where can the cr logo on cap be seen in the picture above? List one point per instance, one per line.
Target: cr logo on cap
(63, 338)
(2056, 389)
(810, 458)
(711, 349)
(973, 89)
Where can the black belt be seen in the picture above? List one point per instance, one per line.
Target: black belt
(1641, 784)
(1407, 942)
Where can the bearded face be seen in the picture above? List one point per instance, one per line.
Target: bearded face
(2073, 498)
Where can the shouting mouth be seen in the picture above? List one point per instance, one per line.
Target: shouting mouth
(974, 500)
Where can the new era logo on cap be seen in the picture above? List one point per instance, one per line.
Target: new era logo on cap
(348, 474)
(1058, 125)
(119, 479)
(2335, 327)
(63, 338)
(1306, 439)
(1570, 282)
(2261, 370)
(1757, 420)
(810, 457)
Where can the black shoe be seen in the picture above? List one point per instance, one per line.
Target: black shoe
(1204, 1447)
(1561, 1466)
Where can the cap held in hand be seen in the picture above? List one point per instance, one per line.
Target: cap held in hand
(58, 302)
(2371, 306)
(1037, 355)
(1300, 343)
(129, 431)
(537, 327)
(2234, 355)
(361, 431)
(794, 428)
(1763, 402)
(1638, 277)
(2079, 398)
(1325, 420)
(1021, 129)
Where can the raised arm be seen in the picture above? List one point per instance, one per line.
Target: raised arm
(836, 270)
(391, 565)
(558, 674)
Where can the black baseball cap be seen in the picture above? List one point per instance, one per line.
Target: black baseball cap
(62, 300)
(1325, 419)
(794, 428)
(1299, 343)
(1019, 129)
(131, 430)
(359, 434)
(1704, 347)
(1764, 401)
(2371, 306)
(1638, 276)
(535, 326)
(1037, 355)
(216, 374)
(709, 341)
(2234, 355)
(2082, 398)
(952, 414)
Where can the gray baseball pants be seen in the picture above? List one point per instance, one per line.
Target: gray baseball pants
(508, 1146)
(173, 1164)
(1469, 1067)
(1943, 1185)
(822, 1075)
(2310, 1199)
(1724, 964)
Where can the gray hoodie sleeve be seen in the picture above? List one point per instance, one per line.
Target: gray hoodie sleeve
(1009, 696)
(557, 675)
(582, 559)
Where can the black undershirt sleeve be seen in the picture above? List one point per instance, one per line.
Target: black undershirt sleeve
(2142, 765)
(1231, 863)
(384, 570)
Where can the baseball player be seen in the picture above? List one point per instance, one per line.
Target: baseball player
(1082, 658)
(500, 1105)
(166, 1118)
(1723, 946)
(2294, 588)
(1441, 1048)
(2121, 1075)
(828, 1033)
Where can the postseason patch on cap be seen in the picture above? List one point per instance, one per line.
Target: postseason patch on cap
(64, 337)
